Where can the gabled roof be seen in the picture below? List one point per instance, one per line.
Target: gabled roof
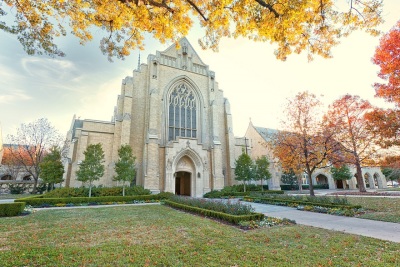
(266, 133)
(172, 51)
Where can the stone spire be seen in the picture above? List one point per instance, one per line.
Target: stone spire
(138, 64)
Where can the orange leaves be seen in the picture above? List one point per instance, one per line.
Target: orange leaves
(387, 57)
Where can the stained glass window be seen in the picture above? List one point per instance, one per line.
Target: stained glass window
(182, 113)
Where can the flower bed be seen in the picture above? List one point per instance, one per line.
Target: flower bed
(333, 211)
(366, 194)
(226, 211)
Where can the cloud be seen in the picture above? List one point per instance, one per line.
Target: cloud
(15, 95)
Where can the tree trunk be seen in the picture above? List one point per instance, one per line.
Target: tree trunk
(90, 189)
(35, 182)
(244, 186)
(311, 187)
(359, 177)
(123, 189)
(262, 186)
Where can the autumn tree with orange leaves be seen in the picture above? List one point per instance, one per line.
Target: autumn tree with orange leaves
(346, 121)
(314, 26)
(305, 144)
(386, 122)
(30, 145)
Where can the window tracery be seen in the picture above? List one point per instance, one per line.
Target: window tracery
(182, 113)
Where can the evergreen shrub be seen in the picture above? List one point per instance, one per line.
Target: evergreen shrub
(11, 209)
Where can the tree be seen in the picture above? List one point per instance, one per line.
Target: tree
(346, 118)
(305, 144)
(341, 173)
(30, 145)
(387, 57)
(52, 169)
(91, 168)
(10, 164)
(386, 122)
(262, 170)
(290, 178)
(391, 173)
(391, 168)
(125, 166)
(294, 25)
(244, 170)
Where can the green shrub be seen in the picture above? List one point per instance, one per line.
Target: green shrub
(213, 194)
(17, 189)
(47, 202)
(235, 219)
(11, 209)
(304, 186)
(221, 194)
(67, 192)
(165, 195)
(97, 192)
(240, 188)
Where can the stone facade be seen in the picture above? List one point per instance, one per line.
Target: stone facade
(177, 121)
(258, 138)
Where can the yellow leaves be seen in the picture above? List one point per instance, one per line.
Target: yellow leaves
(314, 26)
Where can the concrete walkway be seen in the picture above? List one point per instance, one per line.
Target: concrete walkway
(376, 229)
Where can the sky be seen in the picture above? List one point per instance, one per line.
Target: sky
(257, 85)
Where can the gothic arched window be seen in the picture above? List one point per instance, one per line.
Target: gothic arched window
(182, 113)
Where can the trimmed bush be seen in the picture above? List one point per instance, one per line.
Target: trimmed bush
(235, 219)
(11, 209)
(304, 186)
(221, 194)
(48, 202)
(97, 192)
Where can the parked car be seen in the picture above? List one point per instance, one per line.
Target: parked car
(393, 183)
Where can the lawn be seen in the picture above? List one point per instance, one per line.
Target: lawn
(161, 236)
(385, 209)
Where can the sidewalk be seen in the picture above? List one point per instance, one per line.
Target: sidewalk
(376, 229)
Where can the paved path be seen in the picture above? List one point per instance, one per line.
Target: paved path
(6, 200)
(376, 229)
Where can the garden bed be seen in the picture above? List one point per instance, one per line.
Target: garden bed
(379, 194)
(235, 214)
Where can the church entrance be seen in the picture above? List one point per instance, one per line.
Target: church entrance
(182, 183)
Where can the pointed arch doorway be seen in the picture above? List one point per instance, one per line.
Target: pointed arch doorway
(184, 184)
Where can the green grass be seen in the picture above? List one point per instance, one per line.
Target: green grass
(161, 236)
(384, 209)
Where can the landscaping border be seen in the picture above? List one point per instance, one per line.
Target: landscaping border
(235, 219)
(35, 202)
(287, 202)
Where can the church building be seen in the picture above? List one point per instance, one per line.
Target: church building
(177, 121)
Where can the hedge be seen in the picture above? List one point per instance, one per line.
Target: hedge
(78, 200)
(304, 186)
(235, 219)
(219, 194)
(11, 209)
(300, 202)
